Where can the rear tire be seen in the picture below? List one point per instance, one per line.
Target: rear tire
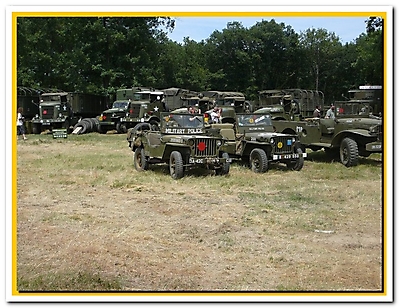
(140, 161)
(258, 161)
(349, 152)
(176, 165)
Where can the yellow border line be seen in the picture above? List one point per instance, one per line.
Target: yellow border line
(15, 15)
(201, 14)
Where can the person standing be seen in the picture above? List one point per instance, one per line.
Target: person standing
(330, 113)
(20, 123)
(316, 112)
(216, 115)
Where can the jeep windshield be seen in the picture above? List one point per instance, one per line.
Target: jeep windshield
(182, 120)
(254, 120)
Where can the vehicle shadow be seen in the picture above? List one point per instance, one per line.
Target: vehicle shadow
(323, 157)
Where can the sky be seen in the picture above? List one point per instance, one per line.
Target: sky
(200, 28)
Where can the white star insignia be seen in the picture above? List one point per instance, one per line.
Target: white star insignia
(156, 108)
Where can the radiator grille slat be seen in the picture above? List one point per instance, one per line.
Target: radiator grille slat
(205, 147)
(287, 145)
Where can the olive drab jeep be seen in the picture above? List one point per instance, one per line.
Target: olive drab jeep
(253, 139)
(181, 142)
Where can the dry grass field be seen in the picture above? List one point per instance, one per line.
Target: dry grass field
(88, 221)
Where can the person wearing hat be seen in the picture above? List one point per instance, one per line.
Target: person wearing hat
(330, 113)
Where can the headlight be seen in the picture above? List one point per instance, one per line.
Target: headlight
(60, 115)
(190, 142)
(127, 114)
(271, 140)
(218, 143)
(293, 140)
(261, 139)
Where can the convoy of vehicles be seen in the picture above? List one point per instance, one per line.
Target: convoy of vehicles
(353, 132)
(278, 127)
(181, 142)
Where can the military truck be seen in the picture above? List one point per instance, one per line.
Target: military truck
(62, 110)
(253, 140)
(182, 143)
(369, 96)
(289, 104)
(350, 135)
(143, 106)
(236, 100)
(175, 98)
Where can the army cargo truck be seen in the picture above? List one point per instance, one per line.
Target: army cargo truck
(175, 98)
(235, 100)
(253, 140)
(369, 96)
(182, 143)
(145, 106)
(351, 134)
(62, 110)
(290, 104)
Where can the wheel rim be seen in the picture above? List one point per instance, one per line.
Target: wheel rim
(344, 155)
(172, 166)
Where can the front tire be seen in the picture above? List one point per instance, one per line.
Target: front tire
(176, 165)
(258, 161)
(225, 169)
(140, 161)
(349, 152)
(298, 164)
(36, 129)
(121, 128)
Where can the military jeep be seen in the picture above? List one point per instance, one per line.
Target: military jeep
(253, 139)
(181, 142)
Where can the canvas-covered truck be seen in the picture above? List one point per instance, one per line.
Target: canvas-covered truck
(235, 100)
(351, 134)
(253, 140)
(62, 110)
(289, 104)
(181, 142)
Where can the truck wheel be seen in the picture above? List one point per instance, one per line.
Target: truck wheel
(140, 161)
(121, 128)
(225, 169)
(349, 152)
(36, 129)
(258, 161)
(176, 165)
(298, 164)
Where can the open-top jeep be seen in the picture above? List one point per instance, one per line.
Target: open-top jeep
(181, 142)
(255, 141)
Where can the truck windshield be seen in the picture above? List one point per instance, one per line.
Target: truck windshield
(353, 109)
(122, 105)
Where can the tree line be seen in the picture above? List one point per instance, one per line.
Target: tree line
(99, 55)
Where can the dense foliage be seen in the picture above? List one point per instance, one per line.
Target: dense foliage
(101, 54)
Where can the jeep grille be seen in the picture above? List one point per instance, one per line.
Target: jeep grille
(287, 146)
(205, 147)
